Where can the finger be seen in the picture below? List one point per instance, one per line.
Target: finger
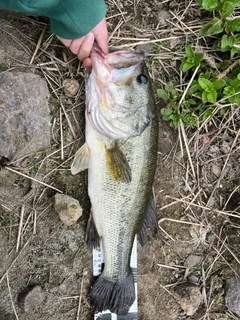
(76, 45)
(87, 63)
(66, 42)
(101, 35)
(86, 46)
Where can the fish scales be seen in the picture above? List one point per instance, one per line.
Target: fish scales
(120, 153)
(120, 205)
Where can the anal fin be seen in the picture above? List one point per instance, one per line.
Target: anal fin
(150, 224)
(93, 238)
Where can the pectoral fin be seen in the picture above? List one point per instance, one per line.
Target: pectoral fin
(117, 165)
(81, 160)
(150, 223)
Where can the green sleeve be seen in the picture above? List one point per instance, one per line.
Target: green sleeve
(69, 19)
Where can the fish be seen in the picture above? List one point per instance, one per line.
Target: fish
(120, 153)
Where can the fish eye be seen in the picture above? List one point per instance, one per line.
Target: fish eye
(142, 79)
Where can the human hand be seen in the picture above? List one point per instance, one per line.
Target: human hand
(82, 47)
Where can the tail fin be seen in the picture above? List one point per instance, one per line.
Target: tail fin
(114, 296)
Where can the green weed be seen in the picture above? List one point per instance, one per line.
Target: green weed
(219, 84)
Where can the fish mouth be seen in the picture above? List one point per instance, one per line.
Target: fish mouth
(120, 59)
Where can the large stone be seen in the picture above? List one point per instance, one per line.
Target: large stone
(24, 114)
(232, 298)
(30, 298)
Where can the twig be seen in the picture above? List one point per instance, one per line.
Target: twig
(38, 44)
(35, 222)
(61, 133)
(229, 69)
(20, 227)
(186, 145)
(68, 120)
(24, 175)
(170, 267)
(146, 42)
(80, 298)
(188, 86)
(179, 221)
(202, 207)
(10, 295)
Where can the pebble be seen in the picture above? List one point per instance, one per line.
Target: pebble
(163, 17)
(214, 149)
(70, 87)
(189, 297)
(225, 147)
(30, 298)
(216, 170)
(194, 231)
(211, 202)
(193, 279)
(210, 237)
(192, 260)
(68, 208)
(232, 295)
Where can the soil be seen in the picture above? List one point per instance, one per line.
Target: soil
(192, 210)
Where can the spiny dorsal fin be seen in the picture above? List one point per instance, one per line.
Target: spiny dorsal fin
(81, 160)
(150, 224)
(117, 165)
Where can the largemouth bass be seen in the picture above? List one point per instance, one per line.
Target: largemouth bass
(120, 153)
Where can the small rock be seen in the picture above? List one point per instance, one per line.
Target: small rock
(210, 237)
(188, 297)
(193, 279)
(211, 202)
(163, 17)
(194, 231)
(214, 149)
(225, 147)
(70, 87)
(192, 260)
(30, 298)
(216, 170)
(68, 208)
(233, 295)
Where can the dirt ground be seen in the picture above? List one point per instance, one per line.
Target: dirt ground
(197, 216)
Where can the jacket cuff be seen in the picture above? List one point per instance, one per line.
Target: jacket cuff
(73, 19)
